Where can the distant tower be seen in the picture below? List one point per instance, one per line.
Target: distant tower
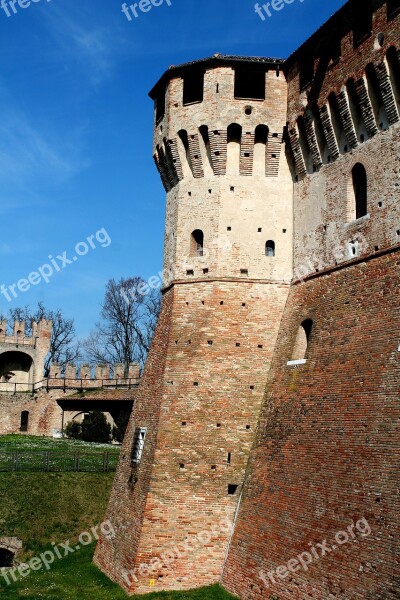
(218, 146)
(22, 357)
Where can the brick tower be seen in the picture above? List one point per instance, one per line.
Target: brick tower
(218, 146)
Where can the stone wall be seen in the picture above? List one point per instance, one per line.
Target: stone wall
(44, 412)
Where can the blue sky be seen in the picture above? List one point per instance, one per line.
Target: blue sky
(76, 130)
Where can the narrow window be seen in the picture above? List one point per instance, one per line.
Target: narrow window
(24, 420)
(270, 248)
(232, 488)
(359, 180)
(234, 140)
(160, 106)
(138, 445)
(197, 243)
(393, 8)
(250, 85)
(302, 340)
(362, 21)
(306, 71)
(193, 87)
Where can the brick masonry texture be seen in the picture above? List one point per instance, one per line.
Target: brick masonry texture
(215, 353)
(324, 452)
(327, 448)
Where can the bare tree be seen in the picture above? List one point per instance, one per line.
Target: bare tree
(64, 348)
(129, 317)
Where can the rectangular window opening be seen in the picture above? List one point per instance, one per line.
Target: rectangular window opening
(362, 21)
(232, 488)
(306, 71)
(250, 84)
(193, 88)
(160, 106)
(393, 8)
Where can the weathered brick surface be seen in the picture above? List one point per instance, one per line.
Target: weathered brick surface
(44, 413)
(327, 452)
(226, 350)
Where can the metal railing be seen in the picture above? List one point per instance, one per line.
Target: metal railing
(52, 383)
(56, 461)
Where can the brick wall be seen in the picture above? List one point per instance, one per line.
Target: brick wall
(44, 412)
(207, 398)
(327, 452)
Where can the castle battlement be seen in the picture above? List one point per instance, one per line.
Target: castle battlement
(88, 377)
(18, 337)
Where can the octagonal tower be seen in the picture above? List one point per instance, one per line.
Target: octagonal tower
(218, 146)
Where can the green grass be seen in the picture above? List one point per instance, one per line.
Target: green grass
(76, 578)
(40, 508)
(31, 453)
(32, 442)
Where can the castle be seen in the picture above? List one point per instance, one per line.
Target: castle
(33, 403)
(263, 448)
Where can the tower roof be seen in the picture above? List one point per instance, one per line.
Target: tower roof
(216, 59)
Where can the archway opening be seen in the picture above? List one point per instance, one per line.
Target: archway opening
(302, 340)
(15, 368)
(6, 557)
(197, 243)
(24, 421)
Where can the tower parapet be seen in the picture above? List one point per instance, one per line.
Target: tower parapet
(344, 128)
(218, 145)
(22, 357)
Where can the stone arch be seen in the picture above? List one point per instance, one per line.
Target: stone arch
(381, 118)
(16, 367)
(357, 193)
(302, 340)
(355, 110)
(234, 140)
(393, 64)
(337, 123)
(183, 143)
(24, 424)
(197, 243)
(260, 150)
(270, 248)
(204, 140)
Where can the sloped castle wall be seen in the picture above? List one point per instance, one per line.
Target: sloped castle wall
(326, 456)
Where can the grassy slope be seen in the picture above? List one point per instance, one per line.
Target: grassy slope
(41, 508)
(32, 442)
(76, 578)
